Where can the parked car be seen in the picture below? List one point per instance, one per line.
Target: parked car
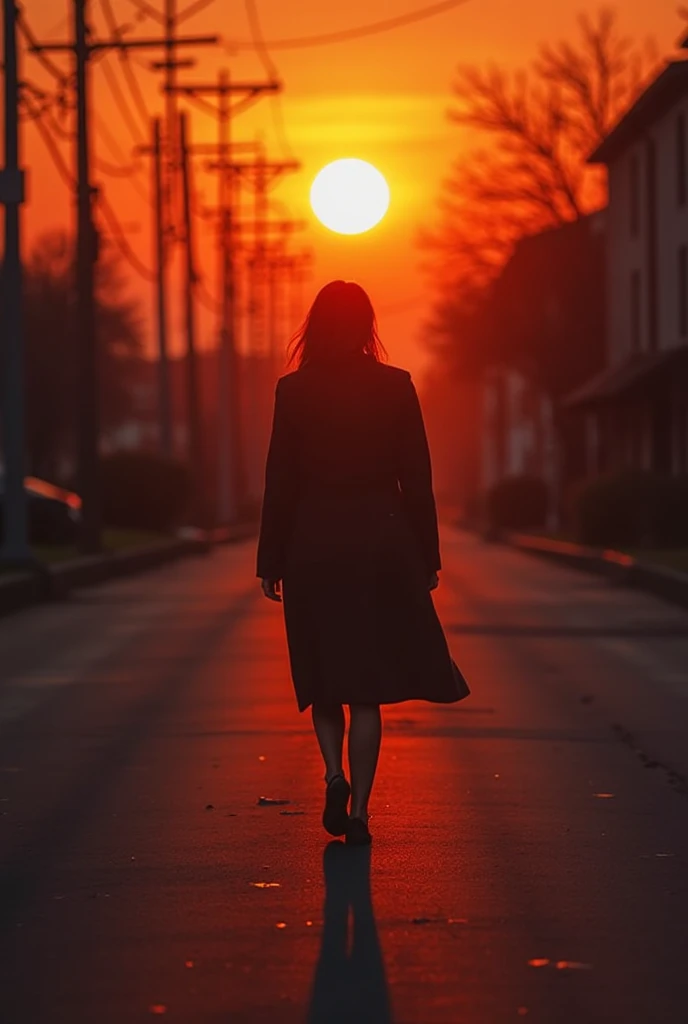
(53, 512)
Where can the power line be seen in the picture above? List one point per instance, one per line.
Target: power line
(56, 127)
(119, 237)
(257, 41)
(300, 42)
(205, 298)
(147, 11)
(109, 139)
(194, 9)
(119, 155)
(115, 170)
(131, 79)
(30, 39)
(121, 102)
(50, 144)
(276, 108)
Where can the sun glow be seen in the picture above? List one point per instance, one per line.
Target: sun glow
(349, 196)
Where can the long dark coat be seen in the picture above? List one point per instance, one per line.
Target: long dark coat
(349, 526)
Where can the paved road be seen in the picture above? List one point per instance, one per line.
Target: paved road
(531, 845)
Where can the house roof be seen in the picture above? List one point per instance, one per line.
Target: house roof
(659, 97)
(623, 378)
(559, 241)
(546, 310)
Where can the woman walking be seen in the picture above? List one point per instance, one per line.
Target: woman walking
(349, 541)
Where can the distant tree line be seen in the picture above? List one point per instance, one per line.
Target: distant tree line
(50, 351)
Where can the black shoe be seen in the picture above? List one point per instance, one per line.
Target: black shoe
(335, 816)
(358, 833)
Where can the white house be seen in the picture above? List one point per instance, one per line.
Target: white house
(637, 408)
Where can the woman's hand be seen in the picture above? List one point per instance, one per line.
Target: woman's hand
(272, 589)
(433, 582)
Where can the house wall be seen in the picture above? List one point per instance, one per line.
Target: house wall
(629, 251)
(625, 254)
(517, 429)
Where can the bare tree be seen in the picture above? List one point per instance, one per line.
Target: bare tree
(542, 124)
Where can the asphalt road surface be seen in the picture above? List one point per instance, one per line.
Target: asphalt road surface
(530, 857)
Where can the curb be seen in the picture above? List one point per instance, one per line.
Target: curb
(616, 566)
(19, 590)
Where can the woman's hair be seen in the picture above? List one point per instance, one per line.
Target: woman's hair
(340, 323)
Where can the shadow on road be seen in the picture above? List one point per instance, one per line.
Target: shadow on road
(349, 984)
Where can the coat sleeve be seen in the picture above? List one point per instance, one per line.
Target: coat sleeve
(280, 492)
(415, 476)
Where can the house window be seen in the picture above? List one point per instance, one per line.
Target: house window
(634, 196)
(683, 292)
(635, 311)
(681, 159)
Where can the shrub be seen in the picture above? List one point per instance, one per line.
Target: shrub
(517, 503)
(142, 491)
(632, 509)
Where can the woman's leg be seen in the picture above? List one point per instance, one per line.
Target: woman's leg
(365, 733)
(328, 722)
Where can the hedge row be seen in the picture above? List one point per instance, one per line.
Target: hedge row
(143, 491)
(632, 510)
(629, 509)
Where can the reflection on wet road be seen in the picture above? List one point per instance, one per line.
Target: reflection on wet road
(529, 858)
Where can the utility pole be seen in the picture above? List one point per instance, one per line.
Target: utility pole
(195, 445)
(164, 403)
(262, 361)
(170, 67)
(260, 210)
(285, 278)
(298, 266)
(230, 470)
(88, 404)
(15, 547)
(273, 269)
(228, 497)
(88, 471)
(263, 175)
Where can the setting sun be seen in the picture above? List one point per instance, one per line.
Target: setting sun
(349, 196)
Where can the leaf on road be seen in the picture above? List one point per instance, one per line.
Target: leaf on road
(560, 965)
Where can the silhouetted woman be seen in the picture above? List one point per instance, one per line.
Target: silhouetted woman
(349, 540)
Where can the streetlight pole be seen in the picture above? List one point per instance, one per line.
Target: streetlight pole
(15, 547)
(88, 396)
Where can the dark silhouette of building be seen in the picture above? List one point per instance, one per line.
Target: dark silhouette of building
(636, 408)
(545, 333)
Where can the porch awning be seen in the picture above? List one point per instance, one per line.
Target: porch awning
(631, 375)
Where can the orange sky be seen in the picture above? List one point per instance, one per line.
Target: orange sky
(382, 99)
